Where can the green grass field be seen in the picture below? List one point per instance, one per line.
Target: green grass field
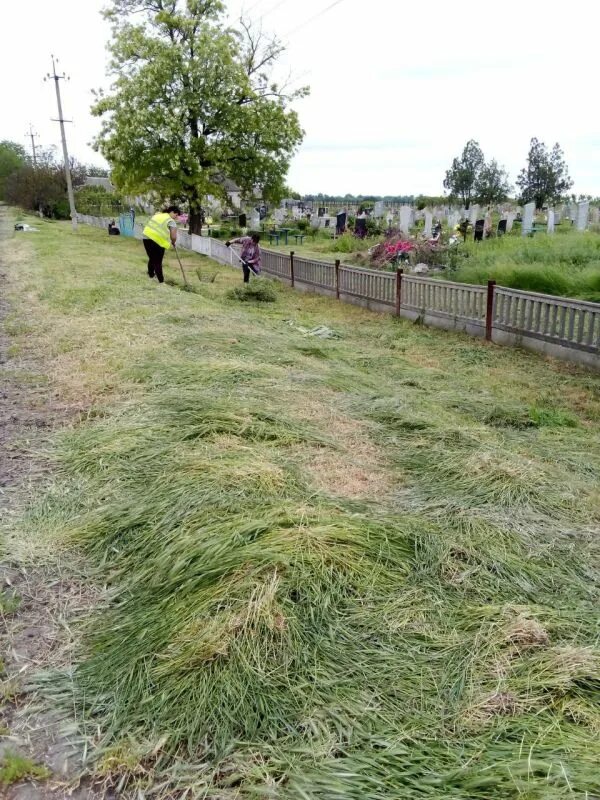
(565, 264)
(363, 567)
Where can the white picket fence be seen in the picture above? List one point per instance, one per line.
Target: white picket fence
(565, 328)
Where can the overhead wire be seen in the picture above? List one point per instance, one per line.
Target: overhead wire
(312, 19)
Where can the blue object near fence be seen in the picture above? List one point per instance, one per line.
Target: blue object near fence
(126, 224)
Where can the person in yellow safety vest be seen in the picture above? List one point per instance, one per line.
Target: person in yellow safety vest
(159, 234)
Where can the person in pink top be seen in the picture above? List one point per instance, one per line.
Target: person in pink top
(250, 255)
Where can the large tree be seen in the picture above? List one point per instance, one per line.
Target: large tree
(491, 184)
(193, 103)
(461, 178)
(546, 178)
(12, 157)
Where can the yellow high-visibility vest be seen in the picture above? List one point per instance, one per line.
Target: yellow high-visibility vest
(157, 229)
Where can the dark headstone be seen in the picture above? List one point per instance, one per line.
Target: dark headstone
(479, 228)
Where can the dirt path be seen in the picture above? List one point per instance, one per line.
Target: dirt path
(40, 597)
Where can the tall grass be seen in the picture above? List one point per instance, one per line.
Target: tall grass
(265, 638)
(564, 264)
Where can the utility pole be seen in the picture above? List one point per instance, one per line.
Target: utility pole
(33, 136)
(56, 78)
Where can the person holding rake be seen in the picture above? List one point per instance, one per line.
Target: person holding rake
(250, 255)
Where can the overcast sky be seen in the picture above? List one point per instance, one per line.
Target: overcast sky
(397, 87)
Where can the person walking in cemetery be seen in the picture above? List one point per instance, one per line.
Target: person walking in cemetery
(160, 234)
(250, 255)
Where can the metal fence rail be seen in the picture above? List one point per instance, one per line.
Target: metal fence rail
(570, 325)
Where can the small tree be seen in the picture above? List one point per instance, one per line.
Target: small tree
(491, 184)
(12, 157)
(461, 178)
(546, 178)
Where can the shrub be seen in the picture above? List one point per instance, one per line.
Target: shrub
(258, 291)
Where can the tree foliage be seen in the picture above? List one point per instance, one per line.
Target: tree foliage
(193, 103)
(491, 184)
(461, 178)
(43, 187)
(12, 157)
(473, 179)
(98, 201)
(545, 178)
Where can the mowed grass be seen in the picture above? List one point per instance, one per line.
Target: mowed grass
(357, 568)
(565, 264)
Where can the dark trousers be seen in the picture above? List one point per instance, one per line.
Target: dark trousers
(155, 259)
(247, 269)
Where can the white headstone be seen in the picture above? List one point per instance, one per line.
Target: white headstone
(379, 209)
(528, 214)
(510, 218)
(428, 223)
(583, 212)
(595, 215)
(550, 220)
(255, 220)
(279, 215)
(406, 217)
(473, 214)
(453, 219)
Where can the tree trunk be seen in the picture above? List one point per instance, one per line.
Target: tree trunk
(197, 215)
(196, 221)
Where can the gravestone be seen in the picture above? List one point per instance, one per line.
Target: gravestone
(478, 230)
(379, 209)
(488, 223)
(502, 227)
(428, 223)
(583, 212)
(406, 218)
(255, 220)
(453, 219)
(528, 214)
(595, 215)
(473, 214)
(510, 218)
(550, 220)
(279, 215)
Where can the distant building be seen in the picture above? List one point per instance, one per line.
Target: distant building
(104, 183)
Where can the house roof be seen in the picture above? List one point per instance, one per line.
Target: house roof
(103, 182)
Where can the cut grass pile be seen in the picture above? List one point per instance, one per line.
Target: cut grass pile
(270, 635)
(258, 291)
(566, 264)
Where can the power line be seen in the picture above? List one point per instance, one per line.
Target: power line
(274, 8)
(312, 19)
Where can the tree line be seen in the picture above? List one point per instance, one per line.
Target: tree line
(41, 186)
(544, 179)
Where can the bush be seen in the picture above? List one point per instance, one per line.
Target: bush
(258, 291)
